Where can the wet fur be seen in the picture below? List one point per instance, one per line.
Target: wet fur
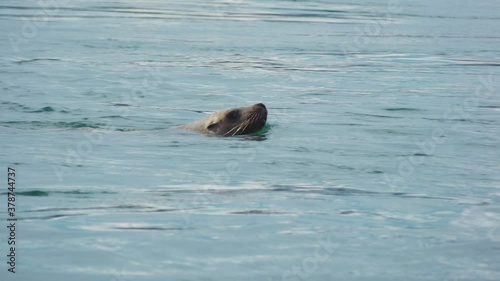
(232, 121)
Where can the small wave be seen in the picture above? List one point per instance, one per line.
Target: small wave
(32, 193)
(134, 226)
(164, 210)
(114, 117)
(76, 192)
(402, 109)
(373, 115)
(76, 125)
(43, 109)
(36, 192)
(15, 106)
(90, 208)
(46, 124)
(472, 62)
(342, 191)
(153, 228)
(36, 60)
(256, 212)
(19, 107)
(489, 106)
(51, 217)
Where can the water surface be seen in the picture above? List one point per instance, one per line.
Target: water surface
(379, 160)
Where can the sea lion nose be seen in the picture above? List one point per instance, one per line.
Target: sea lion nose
(261, 105)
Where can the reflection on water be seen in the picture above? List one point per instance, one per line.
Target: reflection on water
(380, 152)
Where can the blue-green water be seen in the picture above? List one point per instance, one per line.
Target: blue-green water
(379, 160)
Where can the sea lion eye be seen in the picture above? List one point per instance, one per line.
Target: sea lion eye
(232, 115)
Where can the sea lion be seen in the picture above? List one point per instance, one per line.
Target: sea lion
(231, 121)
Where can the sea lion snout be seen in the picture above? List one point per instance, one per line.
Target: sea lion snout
(260, 107)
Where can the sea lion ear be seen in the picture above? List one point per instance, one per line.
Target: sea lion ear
(213, 126)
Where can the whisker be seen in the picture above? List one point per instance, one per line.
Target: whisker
(244, 128)
(240, 128)
(246, 123)
(251, 120)
(228, 132)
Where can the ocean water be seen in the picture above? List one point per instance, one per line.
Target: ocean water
(379, 160)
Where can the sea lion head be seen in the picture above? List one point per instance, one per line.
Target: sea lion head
(237, 121)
